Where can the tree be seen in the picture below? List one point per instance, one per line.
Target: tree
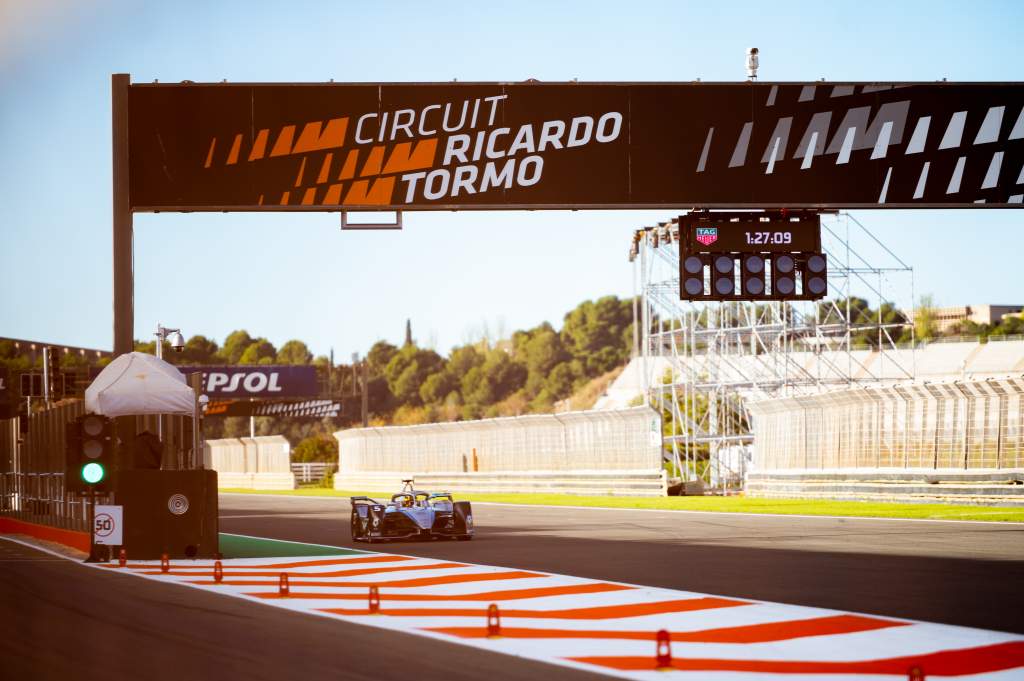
(924, 318)
(316, 448)
(259, 350)
(1009, 326)
(379, 356)
(407, 371)
(560, 381)
(541, 351)
(463, 359)
(437, 387)
(593, 333)
(234, 345)
(497, 378)
(199, 350)
(294, 352)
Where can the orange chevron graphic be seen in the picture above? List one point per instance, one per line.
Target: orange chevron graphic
(944, 663)
(315, 136)
(754, 633)
(600, 612)
(362, 193)
(399, 584)
(508, 595)
(335, 573)
(278, 566)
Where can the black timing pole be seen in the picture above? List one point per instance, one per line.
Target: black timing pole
(124, 310)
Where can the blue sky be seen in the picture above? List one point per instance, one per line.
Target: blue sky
(297, 276)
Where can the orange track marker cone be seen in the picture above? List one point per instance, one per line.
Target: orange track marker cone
(165, 563)
(493, 621)
(218, 571)
(374, 604)
(282, 586)
(122, 558)
(663, 653)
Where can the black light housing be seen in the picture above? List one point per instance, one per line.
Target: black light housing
(783, 275)
(691, 276)
(89, 454)
(723, 275)
(752, 275)
(815, 275)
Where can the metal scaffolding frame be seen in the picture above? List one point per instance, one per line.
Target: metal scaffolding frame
(703, 362)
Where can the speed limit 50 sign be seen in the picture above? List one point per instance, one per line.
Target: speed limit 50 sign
(108, 525)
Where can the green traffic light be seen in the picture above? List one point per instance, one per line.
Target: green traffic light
(92, 473)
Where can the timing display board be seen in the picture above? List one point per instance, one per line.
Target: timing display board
(443, 146)
(750, 233)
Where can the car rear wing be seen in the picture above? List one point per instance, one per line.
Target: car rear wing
(364, 500)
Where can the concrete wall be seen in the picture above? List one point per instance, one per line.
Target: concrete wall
(606, 452)
(252, 463)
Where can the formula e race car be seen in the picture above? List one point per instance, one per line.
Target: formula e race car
(411, 514)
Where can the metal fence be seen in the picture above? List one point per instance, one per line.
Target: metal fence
(612, 440)
(964, 425)
(32, 464)
(312, 471)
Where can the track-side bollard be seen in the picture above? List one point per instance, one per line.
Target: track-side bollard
(218, 572)
(165, 563)
(915, 674)
(374, 604)
(122, 558)
(493, 621)
(282, 585)
(663, 652)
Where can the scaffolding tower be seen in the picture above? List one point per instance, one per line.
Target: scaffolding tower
(704, 362)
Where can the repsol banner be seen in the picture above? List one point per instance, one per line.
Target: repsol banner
(256, 381)
(527, 145)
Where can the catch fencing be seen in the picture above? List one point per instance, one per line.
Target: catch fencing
(312, 471)
(961, 425)
(614, 451)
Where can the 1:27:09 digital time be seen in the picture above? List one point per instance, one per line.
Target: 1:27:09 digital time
(759, 238)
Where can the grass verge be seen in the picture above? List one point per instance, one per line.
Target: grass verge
(739, 504)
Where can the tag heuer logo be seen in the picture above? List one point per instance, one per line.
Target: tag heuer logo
(707, 235)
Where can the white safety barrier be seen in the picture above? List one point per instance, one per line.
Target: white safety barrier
(959, 440)
(591, 452)
(252, 463)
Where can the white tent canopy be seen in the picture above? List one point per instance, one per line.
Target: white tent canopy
(137, 383)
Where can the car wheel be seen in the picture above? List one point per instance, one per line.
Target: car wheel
(355, 528)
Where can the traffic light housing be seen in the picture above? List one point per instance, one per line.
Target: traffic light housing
(89, 454)
(691, 275)
(752, 275)
(723, 275)
(783, 275)
(814, 272)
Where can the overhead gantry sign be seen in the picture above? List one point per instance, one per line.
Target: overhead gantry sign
(573, 145)
(514, 146)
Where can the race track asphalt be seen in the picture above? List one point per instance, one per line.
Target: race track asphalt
(61, 620)
(960, 573)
